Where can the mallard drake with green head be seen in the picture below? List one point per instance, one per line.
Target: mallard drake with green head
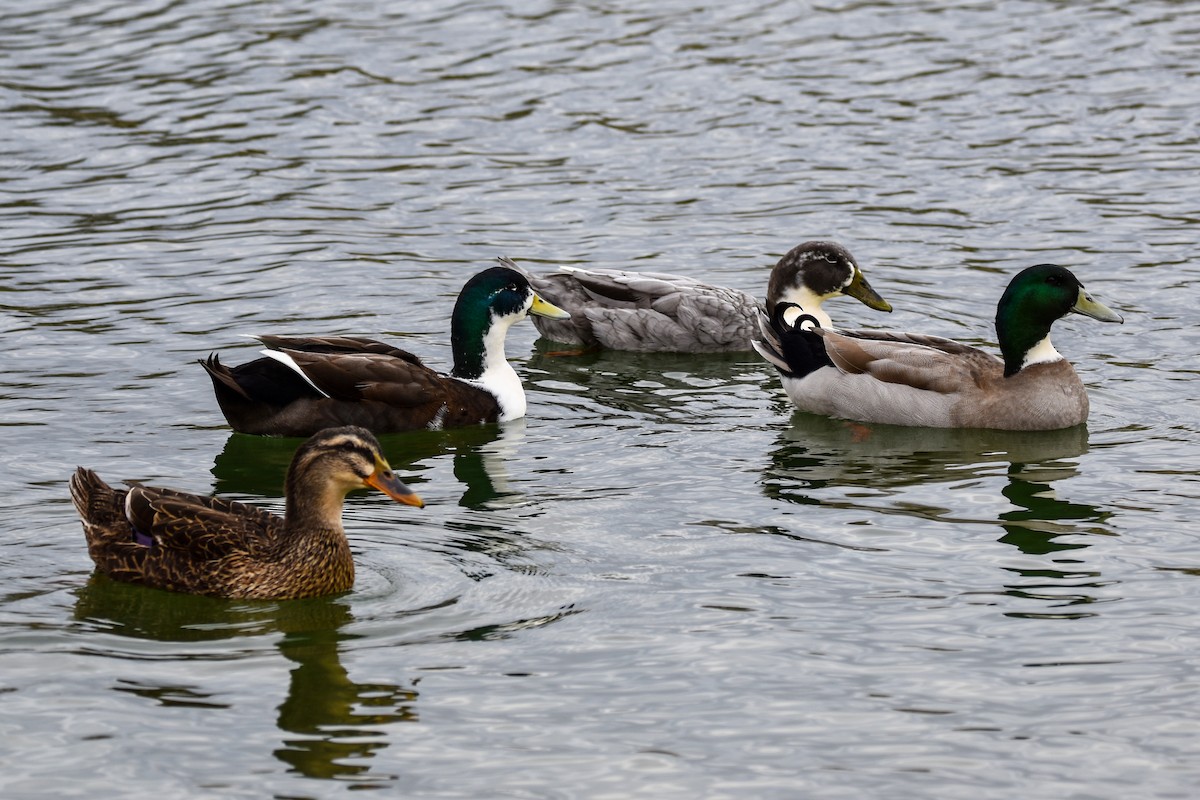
(205, 545)
(910, 379)
(656, 312)
(305, 384)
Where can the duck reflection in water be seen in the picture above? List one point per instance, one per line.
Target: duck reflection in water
(817, 457)
(329, 723)
(481, 464)
(1036, 529)
(335, 722)
(645, 387)
(817, 452)
(255, 465)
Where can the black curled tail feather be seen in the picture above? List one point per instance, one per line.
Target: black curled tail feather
(222, 378)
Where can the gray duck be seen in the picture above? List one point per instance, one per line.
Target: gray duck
(658, 312)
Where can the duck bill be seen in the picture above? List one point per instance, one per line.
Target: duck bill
(1090, 307)
(386, 481)
(861, 291)
(544, 308)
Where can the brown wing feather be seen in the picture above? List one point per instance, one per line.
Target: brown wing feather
(390, 392)
(345, 345)
(195, 538)
(200, 528)
(219, 504)
(923, 362)
(371, 376)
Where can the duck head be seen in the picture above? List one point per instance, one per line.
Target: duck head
(813, 272)
(1035, 299)
(489, 303)
(333, 462)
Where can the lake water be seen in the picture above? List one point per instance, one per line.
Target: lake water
(662, 583)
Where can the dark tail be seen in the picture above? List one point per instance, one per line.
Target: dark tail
(222, 378)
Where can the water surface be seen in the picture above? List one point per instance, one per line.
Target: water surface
(662, 583)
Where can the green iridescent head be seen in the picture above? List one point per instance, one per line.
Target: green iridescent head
(496, 294)
(1035, 299)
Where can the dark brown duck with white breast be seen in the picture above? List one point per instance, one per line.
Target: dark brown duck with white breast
(305, 384)
(195, 544)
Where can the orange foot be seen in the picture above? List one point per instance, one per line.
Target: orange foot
(858, 432)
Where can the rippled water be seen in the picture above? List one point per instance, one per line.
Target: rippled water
(661, 583)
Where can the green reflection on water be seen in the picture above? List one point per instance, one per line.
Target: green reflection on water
(329, 723)
(880, 468)
(256, 465)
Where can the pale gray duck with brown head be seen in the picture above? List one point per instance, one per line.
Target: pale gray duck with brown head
(658, 312)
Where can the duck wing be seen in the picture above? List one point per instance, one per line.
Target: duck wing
(352, 369)
(202, 528)
(305, 368)
(929, 363)
(337, 345)
(162, 537)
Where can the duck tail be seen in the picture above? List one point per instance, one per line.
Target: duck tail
(768, 346)
(98, 503)
(85, 487)
(221, 376)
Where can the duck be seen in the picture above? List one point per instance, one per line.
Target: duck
(927, 381)
(305, 384)
(190, 543)
(657, 312)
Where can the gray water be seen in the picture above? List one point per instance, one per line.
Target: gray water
(662, 583)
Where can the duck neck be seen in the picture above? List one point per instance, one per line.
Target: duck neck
(472, 339)
(479, 359)
(314, 507)
(807, 299)
(1023, 341)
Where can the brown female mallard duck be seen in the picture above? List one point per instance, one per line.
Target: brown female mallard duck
(204, 545)
(654, 312)
(928, 381)
(309, 383)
